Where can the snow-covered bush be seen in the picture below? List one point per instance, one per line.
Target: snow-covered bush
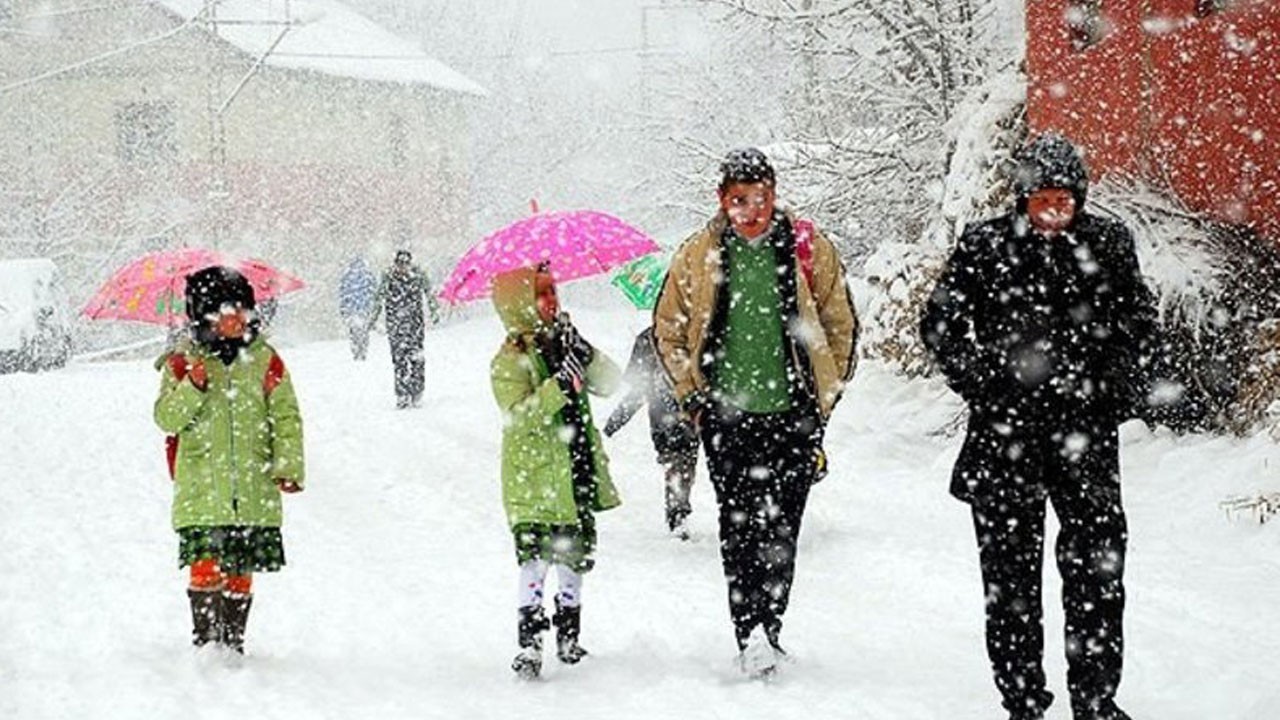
(897, 277)
(1218, 292)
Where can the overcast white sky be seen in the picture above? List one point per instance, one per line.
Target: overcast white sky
(607, 33)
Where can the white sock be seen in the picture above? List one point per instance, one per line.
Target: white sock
(532, 576)
(570, 594)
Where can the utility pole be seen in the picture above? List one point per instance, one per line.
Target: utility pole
(219, 193)
(650, 49)
(219, 102)
(810, 62)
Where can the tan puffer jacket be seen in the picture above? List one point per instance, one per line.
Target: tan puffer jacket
(827, 331)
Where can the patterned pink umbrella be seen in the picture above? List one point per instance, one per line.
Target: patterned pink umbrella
(575, 244)
(151, 289)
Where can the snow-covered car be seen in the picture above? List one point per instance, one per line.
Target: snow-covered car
(35, 327)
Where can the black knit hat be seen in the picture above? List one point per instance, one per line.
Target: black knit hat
(745, 165)
(1050, 161)
(211, 288)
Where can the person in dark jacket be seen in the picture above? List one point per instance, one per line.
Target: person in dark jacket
(401, 293)
(674, 437)
(1041, 321)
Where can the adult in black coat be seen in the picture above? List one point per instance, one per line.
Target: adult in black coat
(1042, 322)
(402, 292)
(674, 438)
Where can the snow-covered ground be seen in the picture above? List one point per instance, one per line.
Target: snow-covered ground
(398, 598)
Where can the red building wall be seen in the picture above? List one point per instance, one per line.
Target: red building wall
(1185, 100)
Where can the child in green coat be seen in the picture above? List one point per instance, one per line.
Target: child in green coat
(555, 475)
(235, 444)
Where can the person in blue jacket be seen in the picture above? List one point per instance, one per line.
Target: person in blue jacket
(355, 301)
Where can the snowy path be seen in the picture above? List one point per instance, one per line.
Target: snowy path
(397, 601)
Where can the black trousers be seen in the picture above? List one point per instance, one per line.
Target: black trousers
(761, 467)
(679, 470)
(410, 369)
(1078, 471)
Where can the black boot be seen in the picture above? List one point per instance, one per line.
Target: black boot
(529, 628)
(206, 616)
(773, 632)
(1032, 707)
(568, 626)
(235, 615)
(1098, 710)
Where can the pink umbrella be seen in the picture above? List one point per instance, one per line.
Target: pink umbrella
(151, 289)
(574, 244)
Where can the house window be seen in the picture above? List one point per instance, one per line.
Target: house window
(1205, 8)
(145, 132)
(1084, 18)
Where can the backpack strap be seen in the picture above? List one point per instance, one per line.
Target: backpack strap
(274, 376)
(177, 363)
(804, 248)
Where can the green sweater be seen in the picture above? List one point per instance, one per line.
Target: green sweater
(752, 374)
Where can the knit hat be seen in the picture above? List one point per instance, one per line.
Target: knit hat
(745, 165)
(211, 288)
(1050, 161)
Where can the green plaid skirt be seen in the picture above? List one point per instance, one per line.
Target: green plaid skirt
(238, 549)
(568, 545)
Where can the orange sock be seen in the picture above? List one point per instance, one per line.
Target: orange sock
(239, 584)
(205, 575)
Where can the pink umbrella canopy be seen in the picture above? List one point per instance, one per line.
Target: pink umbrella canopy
(574, 244)
(152, 288)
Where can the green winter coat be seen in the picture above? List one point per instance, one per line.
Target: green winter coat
(234, 439)
(537, 474)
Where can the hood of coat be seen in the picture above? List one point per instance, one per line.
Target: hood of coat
(1050, 161)
(515, 298)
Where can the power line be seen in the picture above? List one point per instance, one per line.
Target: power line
(99, 58)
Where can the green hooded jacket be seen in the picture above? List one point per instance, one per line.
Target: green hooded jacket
(235, 438)
(537, 474)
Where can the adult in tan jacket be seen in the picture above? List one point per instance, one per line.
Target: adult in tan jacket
(756, 330)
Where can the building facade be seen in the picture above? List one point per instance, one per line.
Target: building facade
(303, 139)
(1184, 94)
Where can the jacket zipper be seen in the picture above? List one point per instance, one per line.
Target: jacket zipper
(231, 441)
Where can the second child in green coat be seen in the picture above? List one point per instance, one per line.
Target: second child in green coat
(555, 475)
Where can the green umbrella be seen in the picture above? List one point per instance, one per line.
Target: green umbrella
(641, 279)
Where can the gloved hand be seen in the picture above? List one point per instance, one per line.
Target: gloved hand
(820, 464)
(572, 342)
(288, 486)
(571, 374)
(693, 406)
(610, 428)
(198, 375)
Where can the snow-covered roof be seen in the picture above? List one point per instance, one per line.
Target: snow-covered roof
(326, 36)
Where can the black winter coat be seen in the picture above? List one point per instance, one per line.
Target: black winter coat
(668, 429)
(1031, 330)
